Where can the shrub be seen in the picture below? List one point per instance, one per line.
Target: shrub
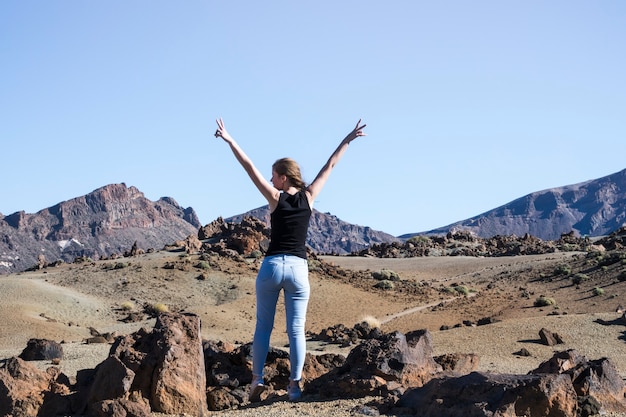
(256, 254)
(419, 240)
(579, 278)
(159, 308)
(569, 247)
(544, 301)
(203, 265)
(562, 270)
(385, 274)
(128, 306)
(598, 291)
(461, 289)
(314, 265)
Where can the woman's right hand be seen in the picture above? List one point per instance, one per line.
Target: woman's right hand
(221, 131)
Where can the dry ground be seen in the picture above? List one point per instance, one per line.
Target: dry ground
(64, 302)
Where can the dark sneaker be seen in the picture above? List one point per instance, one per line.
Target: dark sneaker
(256, 389)
(294, 391)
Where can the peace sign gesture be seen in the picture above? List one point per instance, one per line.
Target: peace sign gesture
(356, 132)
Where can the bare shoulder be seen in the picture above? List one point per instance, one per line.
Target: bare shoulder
(310, 198)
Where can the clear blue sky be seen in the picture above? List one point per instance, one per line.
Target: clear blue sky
(468, 104)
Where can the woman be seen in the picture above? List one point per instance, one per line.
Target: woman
(285, 265)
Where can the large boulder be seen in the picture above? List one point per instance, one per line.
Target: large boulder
(26, 391)
(566, 385)
(42, 349)
(162, 371)
(597, 380)
(379, 366)
(492, 395)
(407, 359)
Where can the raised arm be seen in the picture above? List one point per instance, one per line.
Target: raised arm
(270, 193)
(318, 183)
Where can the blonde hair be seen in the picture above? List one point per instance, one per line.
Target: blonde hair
(290, 168)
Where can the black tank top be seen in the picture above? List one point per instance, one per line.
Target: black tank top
(289, 223)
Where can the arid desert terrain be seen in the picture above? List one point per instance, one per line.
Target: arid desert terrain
(66, 303)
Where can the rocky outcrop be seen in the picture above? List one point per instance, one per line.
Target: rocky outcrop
(381, 366)
(592, 379)
(102, 223)
(592, 208)
(468, 244)
(328, 234)
(159, 371)
(164, 367)
(566, 385)
(245, 237)
(169, 370)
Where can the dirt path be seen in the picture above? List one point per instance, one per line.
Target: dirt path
(412, 310)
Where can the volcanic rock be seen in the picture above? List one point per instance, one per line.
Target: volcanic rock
(42, 349)
(550, 338)
(495, 395)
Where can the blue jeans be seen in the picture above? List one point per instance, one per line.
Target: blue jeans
(290, 274)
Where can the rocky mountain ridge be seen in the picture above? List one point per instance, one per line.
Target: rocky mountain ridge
(591, 208)
(103, 223)
(111, 219)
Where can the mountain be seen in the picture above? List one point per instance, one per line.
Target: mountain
(327, 233)
(591, 208)
(109, 220)
(105, 222)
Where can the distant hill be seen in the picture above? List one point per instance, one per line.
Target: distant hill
(327, 233)
(591, 208)
(102, 223)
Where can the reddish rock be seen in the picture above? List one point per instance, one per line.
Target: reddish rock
(458, 363)
(112, 380)
(596, 379)
(550, 338)
(213, 229)
(134, 407)
(23, 389)
(165, 367)
(379, 366)
(192, 244)
(179, 381)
